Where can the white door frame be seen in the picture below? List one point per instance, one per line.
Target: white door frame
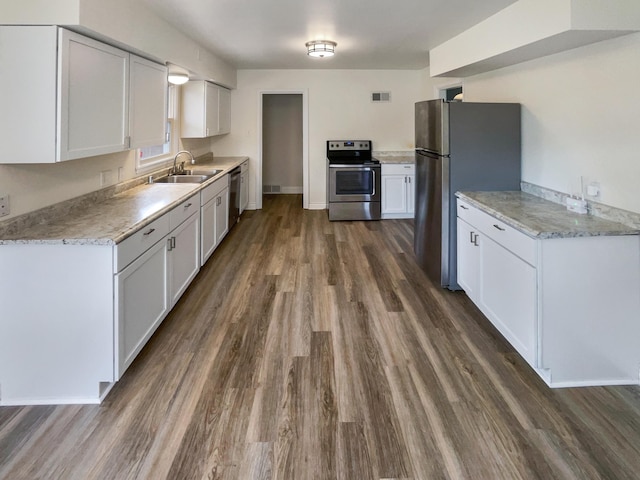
(305, 143)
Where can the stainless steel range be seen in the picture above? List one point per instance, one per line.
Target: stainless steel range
(353, 181)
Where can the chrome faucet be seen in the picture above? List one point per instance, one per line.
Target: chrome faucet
(175, 170)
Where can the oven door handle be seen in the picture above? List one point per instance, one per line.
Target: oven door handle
(374, 182)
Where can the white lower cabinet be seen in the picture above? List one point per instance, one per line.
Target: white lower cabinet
(184, 256)
(146, 278)
(469, 259)
(398, 190)
(508, 295)
(569, 306)
(97, 306)
(151, 285)
(214, 216)
(244, 186)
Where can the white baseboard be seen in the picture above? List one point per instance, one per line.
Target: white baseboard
(286, 191)
(317, 206)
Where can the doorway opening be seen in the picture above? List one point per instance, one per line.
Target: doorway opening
(451, 93)
(283, 156)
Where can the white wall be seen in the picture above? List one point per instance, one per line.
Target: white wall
(581, 116)
(339, 107)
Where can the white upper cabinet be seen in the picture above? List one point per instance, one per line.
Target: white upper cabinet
(92, 103)
(147, 102)
(206, 110)
(65, 96)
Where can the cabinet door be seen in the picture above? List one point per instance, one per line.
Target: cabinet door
(222, 215)
(92, 97)
(411, 193)
(142, 302)
(224, 111)
(244, 191)
(211, 110)
(184, 256)
(394, 195)
(468, 259)
(147, 102)
(208, 230)
(508, 297)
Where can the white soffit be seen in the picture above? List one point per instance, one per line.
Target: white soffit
(531, 29)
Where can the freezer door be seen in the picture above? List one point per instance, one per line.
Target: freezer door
(432, 126)
(431, 222)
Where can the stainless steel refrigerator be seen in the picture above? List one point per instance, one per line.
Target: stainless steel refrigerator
(460, 146)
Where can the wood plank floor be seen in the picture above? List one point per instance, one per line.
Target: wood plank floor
(314, 350)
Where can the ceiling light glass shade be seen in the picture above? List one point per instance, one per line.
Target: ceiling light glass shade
(321, 48)
(178, 78)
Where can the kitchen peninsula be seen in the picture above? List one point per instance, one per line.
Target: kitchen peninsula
(563, 288)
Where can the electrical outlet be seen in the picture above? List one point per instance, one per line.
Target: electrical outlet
(4, 205)
(105, 178)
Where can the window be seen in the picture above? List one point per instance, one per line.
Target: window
(156, 156)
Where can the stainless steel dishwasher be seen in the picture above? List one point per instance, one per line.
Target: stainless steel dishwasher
(234, 196)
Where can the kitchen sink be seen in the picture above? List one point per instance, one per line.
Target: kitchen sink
(184, 178)
(210, 173)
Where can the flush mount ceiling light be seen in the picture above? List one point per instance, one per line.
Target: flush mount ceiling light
(321, 48)
(178, 78)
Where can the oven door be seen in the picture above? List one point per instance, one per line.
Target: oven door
(354, 183)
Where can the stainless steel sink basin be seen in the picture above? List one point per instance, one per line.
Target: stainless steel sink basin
(210, 173)
(184, 179)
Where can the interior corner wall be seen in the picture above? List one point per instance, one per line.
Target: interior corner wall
(282, 141)
(580, 117)
(339, 106)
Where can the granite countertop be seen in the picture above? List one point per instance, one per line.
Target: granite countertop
(408, 158)
(111, 221)
(539, 218)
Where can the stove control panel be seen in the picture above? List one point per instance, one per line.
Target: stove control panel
(348, 145)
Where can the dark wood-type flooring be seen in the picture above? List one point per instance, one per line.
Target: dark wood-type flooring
(309, 349)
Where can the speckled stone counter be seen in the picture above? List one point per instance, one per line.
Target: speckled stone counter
(112, 220)
(409, 158)
(541, 218)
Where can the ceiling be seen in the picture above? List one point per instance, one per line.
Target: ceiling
(371, 34)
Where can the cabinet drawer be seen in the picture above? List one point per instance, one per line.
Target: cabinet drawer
(183, 211)
(213, 190)
(134, 246)
(510, 238)
(398, 169)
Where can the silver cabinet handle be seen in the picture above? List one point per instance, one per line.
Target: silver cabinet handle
(188, 205)
(499, 227)
(470, 237)
(169, 244)
(173, 242)
(151, 230)
(475, 239)
(463, 207)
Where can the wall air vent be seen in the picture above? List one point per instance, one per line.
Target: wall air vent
(381, 97)
(271, 189)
